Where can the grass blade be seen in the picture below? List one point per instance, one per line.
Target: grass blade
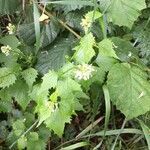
(87, 129)
(121, 130)
(107, 107)
(116, 132)
(36, 15)
(146, 132)
(75, 146)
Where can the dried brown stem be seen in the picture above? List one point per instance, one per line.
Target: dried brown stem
(60, 21)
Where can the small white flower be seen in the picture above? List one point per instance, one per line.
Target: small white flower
(84, 72)
(43, 17)
(6, 50)
(11, 28)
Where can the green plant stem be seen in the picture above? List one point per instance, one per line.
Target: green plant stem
(24, 133)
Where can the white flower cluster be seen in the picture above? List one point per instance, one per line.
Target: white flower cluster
(84, 72)
(6, 50)
(11, 28)
(86, 23)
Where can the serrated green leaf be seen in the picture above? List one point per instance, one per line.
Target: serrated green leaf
(10, 40)
(49, 33)
(128, 10)
(106, 49)
(73, 19)
(93, 15)
(22, 143)
(30, 76)
(67, 86)
(7, 77)
(4, 130)
(129, 89)
(142, 35)
(34, 136)
(44, 133)
(34, 93)
(64, 114)
(19, 91)
(4, 95)
(18, 127)
(44, 110)
(124, 49)
(9, 61)
(5, 101)
(33, 142)
(40, 95)
(107, 56)
(54, 56)
(5, 106)
(57, 125)
(49, 81)
(66, 70)
(70, 5)
(26, 32)
(84, 51)
(67, 90)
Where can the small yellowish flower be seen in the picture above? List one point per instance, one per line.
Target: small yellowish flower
(43, 17)
(6, 50)
(11, 28)
(86, 23)
(84, 72)
(52, 106)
